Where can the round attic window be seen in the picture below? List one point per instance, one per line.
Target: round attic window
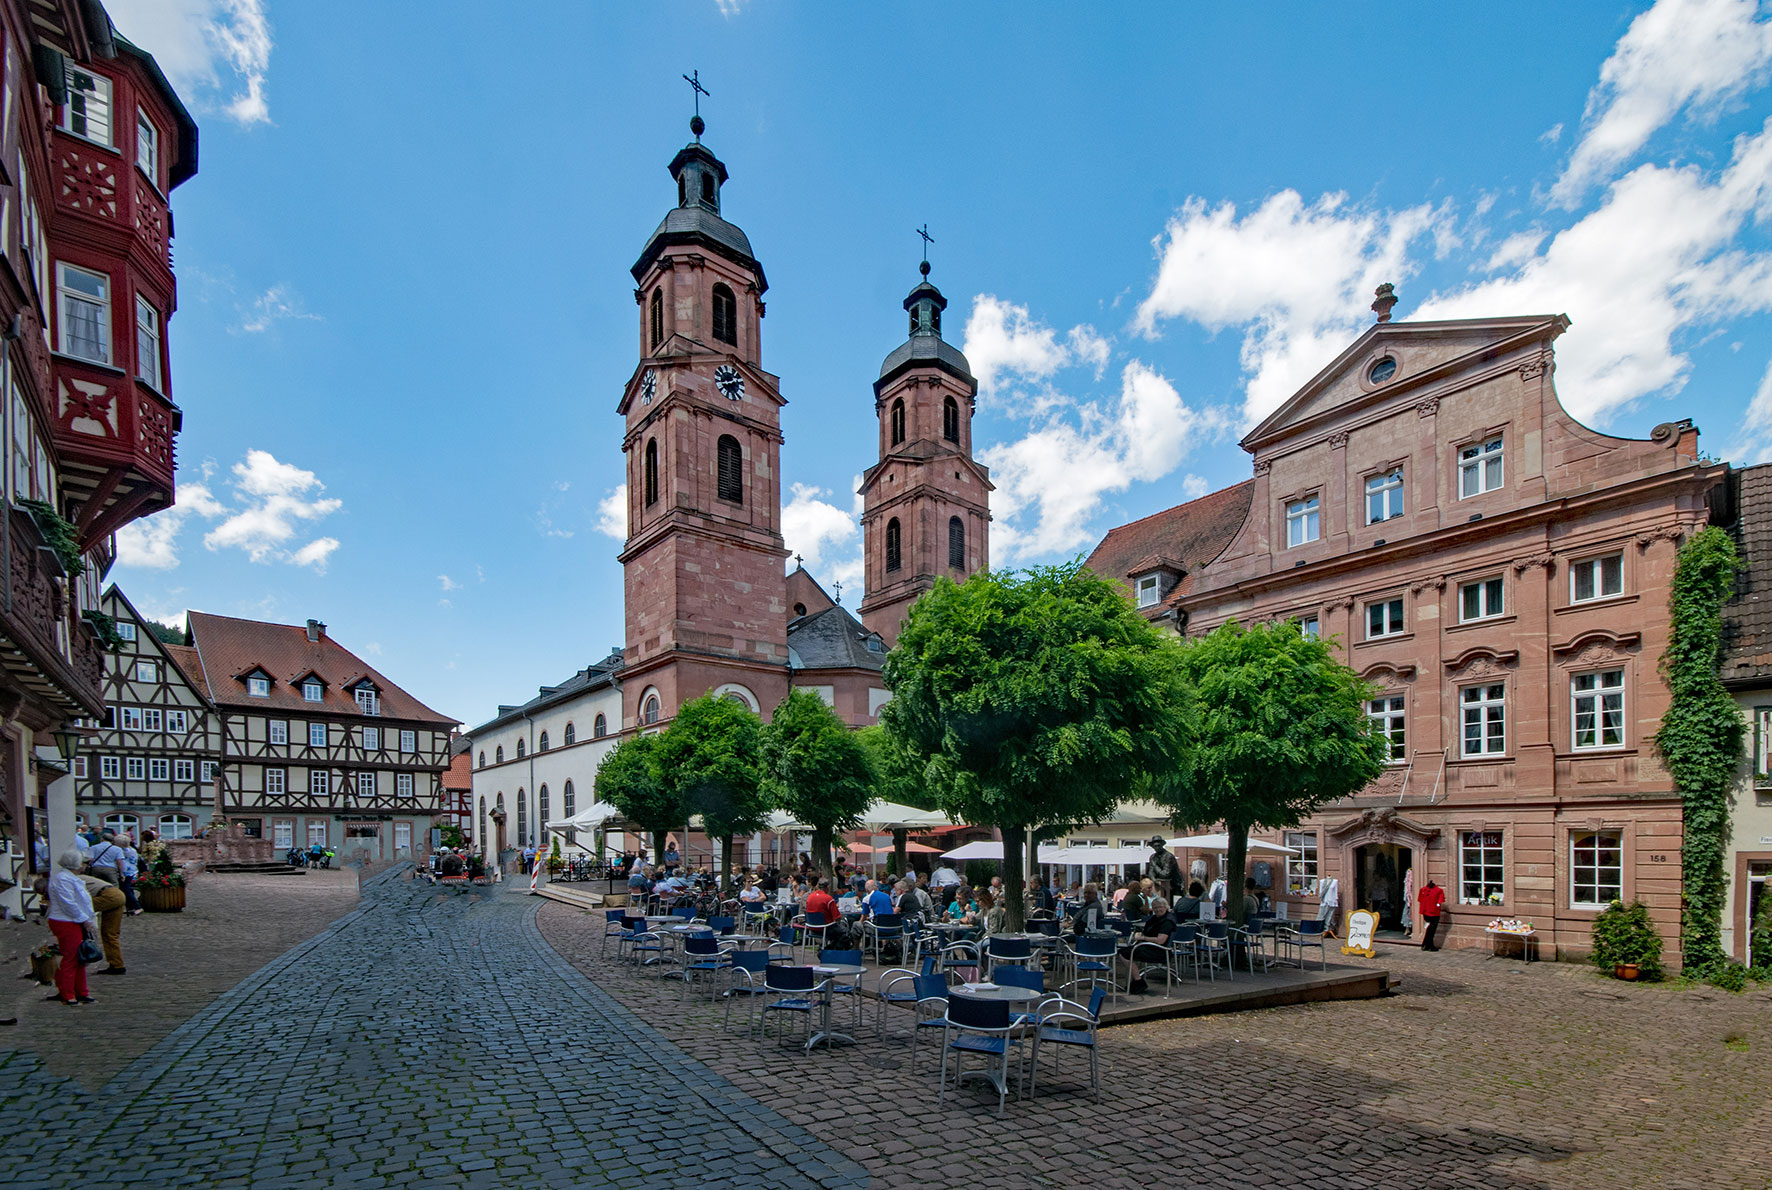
(1383, 370)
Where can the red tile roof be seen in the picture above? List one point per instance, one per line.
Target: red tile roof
(231, 648)
(1190, 535)
(190, 665)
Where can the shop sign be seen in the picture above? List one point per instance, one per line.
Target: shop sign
(1361, 925)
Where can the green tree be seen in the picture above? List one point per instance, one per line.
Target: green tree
(816, 769)
(897, 778)
(1031, 698)
(711, 758)
(629, 780)
(1278, 729)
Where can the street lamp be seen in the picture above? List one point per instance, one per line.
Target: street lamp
(67, 741)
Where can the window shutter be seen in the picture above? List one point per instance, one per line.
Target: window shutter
(956, 543)
(892, 545)
(731, 477)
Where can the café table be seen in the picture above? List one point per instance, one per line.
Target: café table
(828, 974)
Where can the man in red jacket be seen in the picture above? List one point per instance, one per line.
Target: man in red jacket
(821, 901)
(1431, 900)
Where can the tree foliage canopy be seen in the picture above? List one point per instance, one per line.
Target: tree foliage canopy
(711, 758)
(815, 768)
(629, 780)
(897, 773)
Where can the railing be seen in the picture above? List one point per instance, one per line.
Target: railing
(35, 615)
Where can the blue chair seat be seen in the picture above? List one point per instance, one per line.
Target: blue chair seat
(972, 1043)
(793, 1005)
(1066, 1036)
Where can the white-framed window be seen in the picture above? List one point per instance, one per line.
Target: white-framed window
(184, 770)
(1384, 618)
(110, 767)
(366, 784)
(1479, 468)
(125, 630)
(147, 146)
(316, 735)
(258, 687)
(372, 739)
(1598, 701)
(409, 740)
(136, 768)
(80, 766)
(147, 342)
(1479, 600)
(1311, 627)
(1303, 522)
(282, 833)
(1147, 590)
(178, 722)
(87, 112)
(1596, 578)
(403, 784)
(1596, 869)
(1763, 748)
(1384, 496)
(152, 720)
(316, 832)
(122, 822)
(1386, 715)
(276, 781)
(159, 769)
(320, 782)
(367, 701)
(208, 771)
(402, 836)
(312, 691)
(84, 308)
(1301, 869)
(1485, 719)
(175, 826)
(132, 718)
(278, 730)
(1479, 868)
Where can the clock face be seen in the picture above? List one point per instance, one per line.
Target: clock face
(729, 382)
(648, 387)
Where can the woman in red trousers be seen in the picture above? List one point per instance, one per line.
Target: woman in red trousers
(70, 916)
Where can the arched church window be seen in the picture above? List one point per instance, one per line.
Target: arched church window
(571, 734)
(730, 484)
(498, 754)
(956, 543)
(522, 817)
(657, 313)
(897, 422)
(707, 190)
(482, 758)
(649, 712)
(568, 801)
(541, 819)
(799, 609)
(651, 478)
(725, 315)
(950, 420)
(541, 745)
(599, 727)
(893, 557)
(520, 750)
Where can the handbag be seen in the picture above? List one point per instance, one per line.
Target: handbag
(89, 952)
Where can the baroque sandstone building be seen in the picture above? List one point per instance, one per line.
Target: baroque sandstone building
(1499, 574)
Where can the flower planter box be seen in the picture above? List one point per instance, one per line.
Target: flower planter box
(1626, 971)
(161, 900)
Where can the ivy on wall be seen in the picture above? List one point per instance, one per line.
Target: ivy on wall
(1700, 737)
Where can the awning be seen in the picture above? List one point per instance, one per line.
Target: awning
(989, 849)
(886, 816)
(587, 819)
(1222, 842)
(868, 849)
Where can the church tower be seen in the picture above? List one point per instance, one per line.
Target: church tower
(703, 567)
(926, 503)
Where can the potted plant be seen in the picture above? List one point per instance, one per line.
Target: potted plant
(161, 889)
(59, 539)
(1625, 942)
(556, 861)
(105, 628)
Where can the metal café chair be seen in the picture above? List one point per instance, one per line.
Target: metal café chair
(1092, 958)
(881, 929)
(982, 1027)
(745, 978)
(898, 985)
(814, 925)
(959, 960)
(1067, 1023)
(793, 988)
(1012, 952)
(1214, 945)
(614, 926)
(703, 956)
(1184, 947)
(1020, 977)
(931, 1010)
(1251, 943)
(1309, 933)
(852, 991)
(724, 926)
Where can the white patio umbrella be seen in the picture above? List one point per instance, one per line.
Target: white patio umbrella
(990, 849)
(885, 816)
(587, 819)
(1097, 855)
(1222, 842)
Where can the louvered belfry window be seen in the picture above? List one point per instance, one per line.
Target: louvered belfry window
(956, 543)
(731, 478)
(897, 422)
(651, 480)
(892, 546)
(950, 420)
(657, 311)
(725, 315)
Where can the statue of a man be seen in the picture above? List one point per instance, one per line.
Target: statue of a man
(1163, 869)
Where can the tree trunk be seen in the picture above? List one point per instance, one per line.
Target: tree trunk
(1015, 845)
(725, 875)
(658, 846)
(901, 838)
(1239, 863)
(821, 850)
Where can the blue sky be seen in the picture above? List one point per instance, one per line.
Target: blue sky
(406, 315)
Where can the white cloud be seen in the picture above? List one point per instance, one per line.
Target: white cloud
(1516, 250)
(1003, 341)
(612, 513)
(827, 538)
(1551, 135)
(274, 497)
(279, 303)
(1194, 486)
(1753, 442)
(1088, 347)
(217, 53)
(1298, 278)
(1050, 483)
(315, 553)
(152, 542)
(1696, 54)
(447, 583)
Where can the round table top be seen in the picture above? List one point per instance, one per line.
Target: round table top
(744, 940)
(952, 925)
(996, 992)
(697, 927)
(838, 969)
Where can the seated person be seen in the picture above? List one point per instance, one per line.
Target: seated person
(1091, 914)
(1188, 908)
(1152, 944)
(849, 905)
(1120, 895)
(991, 915)
(877, 900)
(819, 900)
(751, 894)
(640, 879)
(1133, 904)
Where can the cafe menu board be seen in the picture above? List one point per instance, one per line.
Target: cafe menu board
(1361, 925)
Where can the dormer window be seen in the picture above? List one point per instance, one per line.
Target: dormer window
(312, 691)
(368, 701)
(1147, 590)
(258, 687)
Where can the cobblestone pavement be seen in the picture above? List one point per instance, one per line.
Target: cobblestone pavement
(408, 1044)
(1477, 1072)
(177, 962)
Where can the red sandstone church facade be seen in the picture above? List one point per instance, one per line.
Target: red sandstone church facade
(1499, 574)
(708, 606)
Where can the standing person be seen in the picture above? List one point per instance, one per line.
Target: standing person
(104, 859)
(1431, 901)
(1164, 870)
(1408, 899)
(108, 903)
(1328, 904)
(130, 870)
(70, 916)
